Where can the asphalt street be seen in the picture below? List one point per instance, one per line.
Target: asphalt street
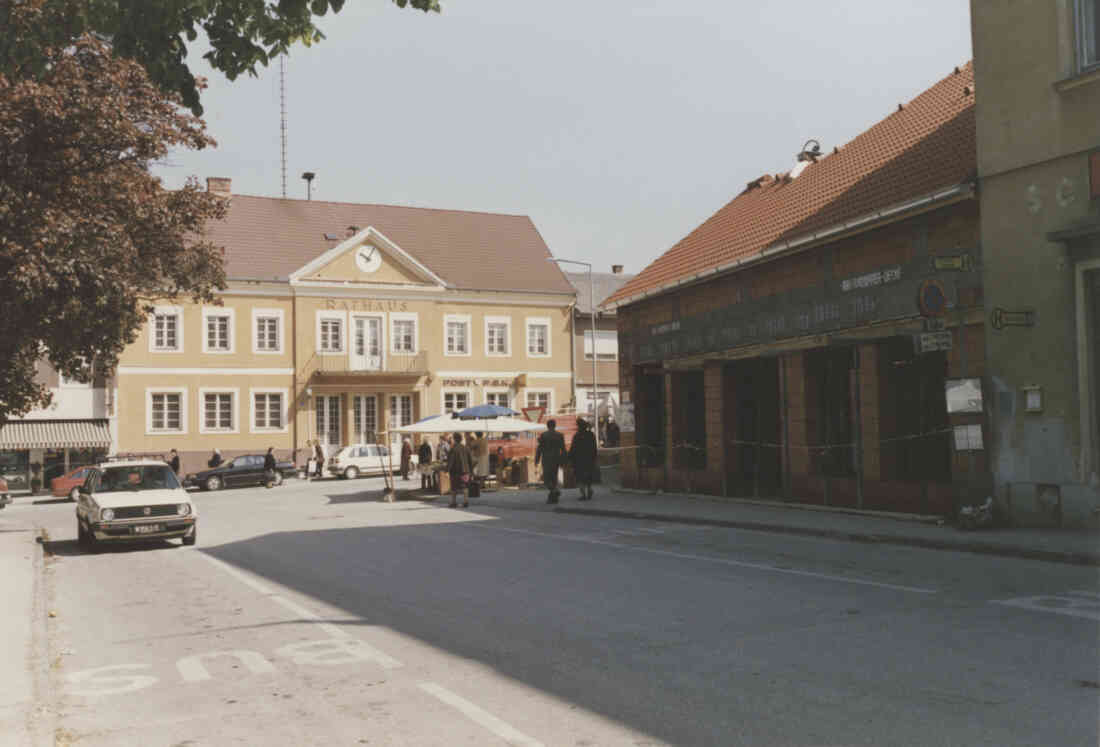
(315, 613)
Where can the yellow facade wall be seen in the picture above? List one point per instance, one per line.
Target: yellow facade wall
(303, 373)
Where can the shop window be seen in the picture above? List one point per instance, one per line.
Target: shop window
(913, 419)
(689, 429)
(830, 426)
(649, 415)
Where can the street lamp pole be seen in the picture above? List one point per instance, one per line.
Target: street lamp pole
(592, 309)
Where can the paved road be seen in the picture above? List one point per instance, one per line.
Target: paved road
(316, 614)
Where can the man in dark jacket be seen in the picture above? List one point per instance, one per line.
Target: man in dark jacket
(406, 458)
(459, 465)
(269, 467)
(424, 464)
(174, 461)
(551, 452)
(215, 459)
(582, 452)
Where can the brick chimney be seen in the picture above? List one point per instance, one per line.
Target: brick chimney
(617, 269)
(219, 185)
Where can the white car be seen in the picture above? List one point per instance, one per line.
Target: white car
(364, 459)
(134, 500)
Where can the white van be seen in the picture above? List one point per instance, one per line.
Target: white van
(364, 459)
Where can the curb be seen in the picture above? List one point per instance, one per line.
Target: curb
(977, 547)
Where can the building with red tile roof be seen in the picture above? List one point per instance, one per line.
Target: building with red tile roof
(814, 338)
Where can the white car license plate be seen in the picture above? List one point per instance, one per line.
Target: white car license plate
(148, 529)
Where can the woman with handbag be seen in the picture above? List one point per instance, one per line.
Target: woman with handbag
(459, 465)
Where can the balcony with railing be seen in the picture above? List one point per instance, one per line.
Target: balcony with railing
(390, 364)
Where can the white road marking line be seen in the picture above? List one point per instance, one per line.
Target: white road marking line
(1071, 603)
(711, 559)
(388, 662)
(244, 578)
(479, 716)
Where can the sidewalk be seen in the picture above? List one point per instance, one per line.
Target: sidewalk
(20, 569)
(1057, 545)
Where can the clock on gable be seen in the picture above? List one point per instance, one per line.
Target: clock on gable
(368, 258)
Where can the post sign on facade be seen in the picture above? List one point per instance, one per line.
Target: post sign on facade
(930, 341)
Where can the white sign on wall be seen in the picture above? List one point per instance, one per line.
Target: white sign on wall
(624, 416)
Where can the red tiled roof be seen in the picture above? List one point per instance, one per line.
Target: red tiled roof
(268, 238)
(926, 145)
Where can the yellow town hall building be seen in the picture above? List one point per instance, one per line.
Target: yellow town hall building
(342, 320)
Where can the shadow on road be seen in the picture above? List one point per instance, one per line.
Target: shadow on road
(50, 501)
(71, 548)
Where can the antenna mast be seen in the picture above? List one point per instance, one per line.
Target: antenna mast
(282, 114)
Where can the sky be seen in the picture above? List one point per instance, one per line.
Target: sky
(618, 126)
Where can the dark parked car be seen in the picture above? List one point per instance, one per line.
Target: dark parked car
(243, 470)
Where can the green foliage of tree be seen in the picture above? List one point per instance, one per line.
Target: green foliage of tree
(243, 34)
(89, 238)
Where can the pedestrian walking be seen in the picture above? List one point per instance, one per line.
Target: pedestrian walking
(551, 452)
(319, 457)
(269, 467)
(582, 453)
(215, 459)
(406, 458)
(424, 464)
(459, 465)
(174, 461)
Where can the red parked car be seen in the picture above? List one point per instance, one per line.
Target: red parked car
(69, 483)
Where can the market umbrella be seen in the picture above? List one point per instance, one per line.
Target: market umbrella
(486, 411)
(450, 424)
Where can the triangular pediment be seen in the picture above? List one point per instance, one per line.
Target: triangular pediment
(368, 258)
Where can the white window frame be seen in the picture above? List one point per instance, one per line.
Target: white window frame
(257, 314)
(462, 319)
(231, 331)
(342, 316)
(507, 322)
(595, 339)
(234, 409)
(149, 392)
(176, 311)
(1081, 32)
(252, 392)
(549, 398)
(443, 398)
(404, 316)
(534, 321)
(495, 390)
